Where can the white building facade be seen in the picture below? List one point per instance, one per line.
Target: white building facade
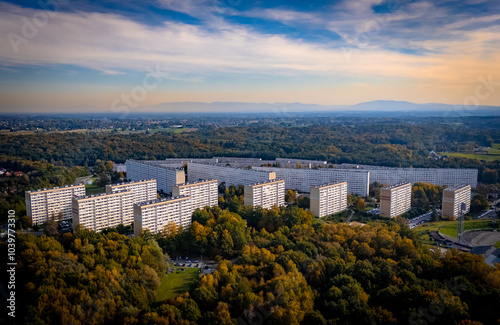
(265, 194)
(453, 197)
(436, 176)
(227, 175)
(100, 211)
(43, 204)
(144, 190)
(328, 199)
(155, 215)
(358, 182)
(166, 176)
(203, 193)
(395, 200)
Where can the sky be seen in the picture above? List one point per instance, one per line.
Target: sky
(79, 56)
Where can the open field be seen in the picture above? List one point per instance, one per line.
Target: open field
(176, 283)
(153, 131)
(493, 154)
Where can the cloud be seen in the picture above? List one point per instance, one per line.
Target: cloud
(448, 59)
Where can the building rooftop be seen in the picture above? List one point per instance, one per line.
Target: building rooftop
(232, 167)
(54, 188)
(132, 182)
(456, 187)
(101, 194)
(267, 182)
(162, 200)
(328, 184)
(197, 182)
(396, 185)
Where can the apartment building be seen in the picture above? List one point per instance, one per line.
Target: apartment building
(104, 210)
(44, 203)
(265, 194)
(144, 190)
(436, 176)
(395, 200)
(166, 176)
(203, 193)
(358, 181)
(453, 197)
(156, 214)
(227, 175)
(328, 199)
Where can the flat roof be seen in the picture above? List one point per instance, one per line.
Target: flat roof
(133, 182)
(266, 182)
(197, 183)
(93, 196)
(162, 201)
(456, 187)
(54, 188)
(328, 184)
(232, 167)
(396, 186)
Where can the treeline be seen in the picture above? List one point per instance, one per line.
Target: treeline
(36, 175)
(390, 144)
(298, 272)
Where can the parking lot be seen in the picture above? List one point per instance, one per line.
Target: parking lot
(415, 222)
(206, 266)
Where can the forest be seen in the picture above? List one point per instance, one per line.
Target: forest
(277, 266)
(386, 142)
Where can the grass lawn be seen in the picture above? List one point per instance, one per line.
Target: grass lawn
(497, 245)
(176, 283)
(93, 189)
(448, 228)
(493, 154)
(451, 228)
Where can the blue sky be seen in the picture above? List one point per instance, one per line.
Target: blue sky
(72, 54)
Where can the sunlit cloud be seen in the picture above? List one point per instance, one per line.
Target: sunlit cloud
(417, 43)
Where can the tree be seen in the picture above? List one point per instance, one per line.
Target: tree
(50, 227)
(479, 203)
(360, 205)
(291, 196)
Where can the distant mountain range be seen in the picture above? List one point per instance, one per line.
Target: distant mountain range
(373, 106)
(372, 109)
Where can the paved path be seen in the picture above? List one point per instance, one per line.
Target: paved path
(349, 219)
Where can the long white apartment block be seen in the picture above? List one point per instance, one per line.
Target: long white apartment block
(144, 190)
(166, 176)
(453, 197)
(203, 193)
(44, 203)
(104, 210)
(227, 175)
(328, 199)
(155, 215)
(436, 176)
(265, 194)
(358, 182)
(395, 200)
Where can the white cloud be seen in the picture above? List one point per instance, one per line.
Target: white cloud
(113, 44)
